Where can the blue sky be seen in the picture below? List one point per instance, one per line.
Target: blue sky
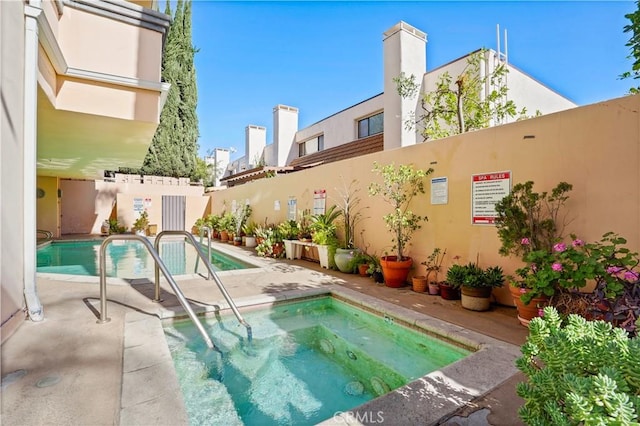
(322, 57)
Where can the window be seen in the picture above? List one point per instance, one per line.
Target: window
(311, 145)
(371, 125)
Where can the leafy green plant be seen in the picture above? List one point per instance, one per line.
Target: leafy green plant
(240, 217)
(456, 275)
(324, 227)
(528, 221)
(399, 185)
(213, 220)
(141, 223)
(434, 262)
(579, 373)
(470, 102)
(288, 229)
(350, 211)
(568, 267)
(270, 239)
(249, 228)
(115, 227)
(374, 264)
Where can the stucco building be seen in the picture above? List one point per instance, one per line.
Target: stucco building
(377, 123)
(81, 93)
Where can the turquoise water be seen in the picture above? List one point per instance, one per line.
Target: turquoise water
(126, 259)
(307, 361)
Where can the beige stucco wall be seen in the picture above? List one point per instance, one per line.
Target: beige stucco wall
(135, 48)
(11, 197)
(596, 148)
(86, 204)
(48, 206)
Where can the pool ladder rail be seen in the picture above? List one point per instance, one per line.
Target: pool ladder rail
(160, 266)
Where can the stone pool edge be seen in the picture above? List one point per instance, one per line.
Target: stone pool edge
(150, 385)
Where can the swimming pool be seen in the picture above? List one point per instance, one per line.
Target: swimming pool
(307, 361)
(127, 259)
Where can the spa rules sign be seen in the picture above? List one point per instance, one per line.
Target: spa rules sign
(486, 190)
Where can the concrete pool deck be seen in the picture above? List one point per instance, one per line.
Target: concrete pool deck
(70, 370)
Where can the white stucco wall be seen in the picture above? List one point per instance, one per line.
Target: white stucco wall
(255, 141)
(527, 92)
(341, 127)
(524, 90)
(285, 126)
(404, 50)
(12, 48)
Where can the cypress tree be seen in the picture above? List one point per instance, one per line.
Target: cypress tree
(174, 146)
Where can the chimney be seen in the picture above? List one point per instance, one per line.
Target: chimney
(285, 126)
(255, 139)
(404, 51)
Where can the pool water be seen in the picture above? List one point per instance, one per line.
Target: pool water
(127, 259)
(307, 361)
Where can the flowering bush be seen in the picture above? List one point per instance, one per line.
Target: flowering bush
(569, 267)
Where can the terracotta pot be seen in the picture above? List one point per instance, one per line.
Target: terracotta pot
(448, 292)
(476, 298)
(362, 269)
(434, 289)
(419, 284)
(527, 312)
(224, 236)
(277, 249)
(395, 272)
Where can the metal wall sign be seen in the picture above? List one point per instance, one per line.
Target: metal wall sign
(487, 189)
(292, 206)
(319, 201)
(439, 190)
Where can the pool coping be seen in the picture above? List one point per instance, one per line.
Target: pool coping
(150, 384)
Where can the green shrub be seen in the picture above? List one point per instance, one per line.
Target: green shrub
(579, 373)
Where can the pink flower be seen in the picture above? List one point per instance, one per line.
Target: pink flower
(577, 242)
(612, 270)
(540, 312)
(560, 247)
(557, 267)
(534, 267)
(525, 241)
(631, 276)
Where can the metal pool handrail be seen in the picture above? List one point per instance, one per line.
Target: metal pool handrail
(159, 265)
(209, 231)
(212, 273)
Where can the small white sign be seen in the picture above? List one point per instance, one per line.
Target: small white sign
(439, 190)
(292, 206)
(276, 205)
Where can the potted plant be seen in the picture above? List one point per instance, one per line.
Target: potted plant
(324, 234)
(226, 226)
(477, 286)
(433, 265)
(141, 223)
(240, 216)
(360, 263)
(529, 224)
(375, 269)
(249, 230)
(289, 232)
(271, 242)
(450, 289)
(399, 185)
(198, 224)
(351, 215)
(304, 226)
(213, 221)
